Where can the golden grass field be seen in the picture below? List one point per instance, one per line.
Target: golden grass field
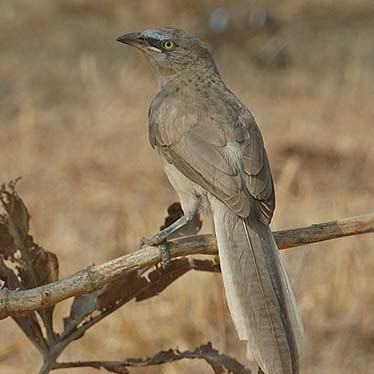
(73, 117)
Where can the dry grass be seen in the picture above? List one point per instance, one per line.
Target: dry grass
(74, 125)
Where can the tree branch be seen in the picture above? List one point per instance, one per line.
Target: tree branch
(16, 302)
(217, 361)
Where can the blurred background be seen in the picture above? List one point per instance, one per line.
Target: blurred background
(73, 118)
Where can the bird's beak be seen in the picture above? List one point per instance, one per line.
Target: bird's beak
(132, 39)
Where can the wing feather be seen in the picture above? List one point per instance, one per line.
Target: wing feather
(197, 145)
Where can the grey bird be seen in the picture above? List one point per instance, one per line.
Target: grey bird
(214, 156)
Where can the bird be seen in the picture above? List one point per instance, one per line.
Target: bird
(214, 156)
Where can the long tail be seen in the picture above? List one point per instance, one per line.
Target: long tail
(258, 292)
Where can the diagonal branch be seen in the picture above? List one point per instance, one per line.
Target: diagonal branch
(15, 302)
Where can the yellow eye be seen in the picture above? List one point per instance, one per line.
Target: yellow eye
(168, 45)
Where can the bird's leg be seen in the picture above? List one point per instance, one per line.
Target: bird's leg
(161, 237)
(164, 252)
(167, 231)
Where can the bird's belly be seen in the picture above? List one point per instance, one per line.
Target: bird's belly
(192, 196)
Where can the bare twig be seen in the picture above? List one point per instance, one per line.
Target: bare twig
(15, 302)
(217, 361)
(325, 231)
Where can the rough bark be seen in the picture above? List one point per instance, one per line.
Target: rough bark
(16, 302)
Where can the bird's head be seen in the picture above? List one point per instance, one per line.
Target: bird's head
(170, 51)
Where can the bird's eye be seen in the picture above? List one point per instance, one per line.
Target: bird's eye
(168, 45)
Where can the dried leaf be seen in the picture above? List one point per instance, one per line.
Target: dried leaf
(161, 278)
(8, 276)
(16, 210)
(121, 290)
(81, 308)
(114, 367)
(220, 363)
(142, 287)
(191, 228)
(35, 266)
(7, 248)
(42, 267)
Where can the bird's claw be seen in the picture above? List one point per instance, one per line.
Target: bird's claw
(155, 240)
(144, 241)
(163, 245)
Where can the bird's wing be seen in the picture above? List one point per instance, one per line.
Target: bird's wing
(227, 159)
(255, 167)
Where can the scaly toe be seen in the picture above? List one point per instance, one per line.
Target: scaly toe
(144, 241)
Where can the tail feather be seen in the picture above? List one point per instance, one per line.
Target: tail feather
(292, 309)
(259, 295)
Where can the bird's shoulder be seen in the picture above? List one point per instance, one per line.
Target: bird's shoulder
(196, 105)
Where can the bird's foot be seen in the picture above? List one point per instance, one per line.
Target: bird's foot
(155, 240)
(145, 241)
(161, 237)
(162, 243)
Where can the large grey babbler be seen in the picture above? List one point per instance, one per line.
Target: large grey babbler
(214, 156)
